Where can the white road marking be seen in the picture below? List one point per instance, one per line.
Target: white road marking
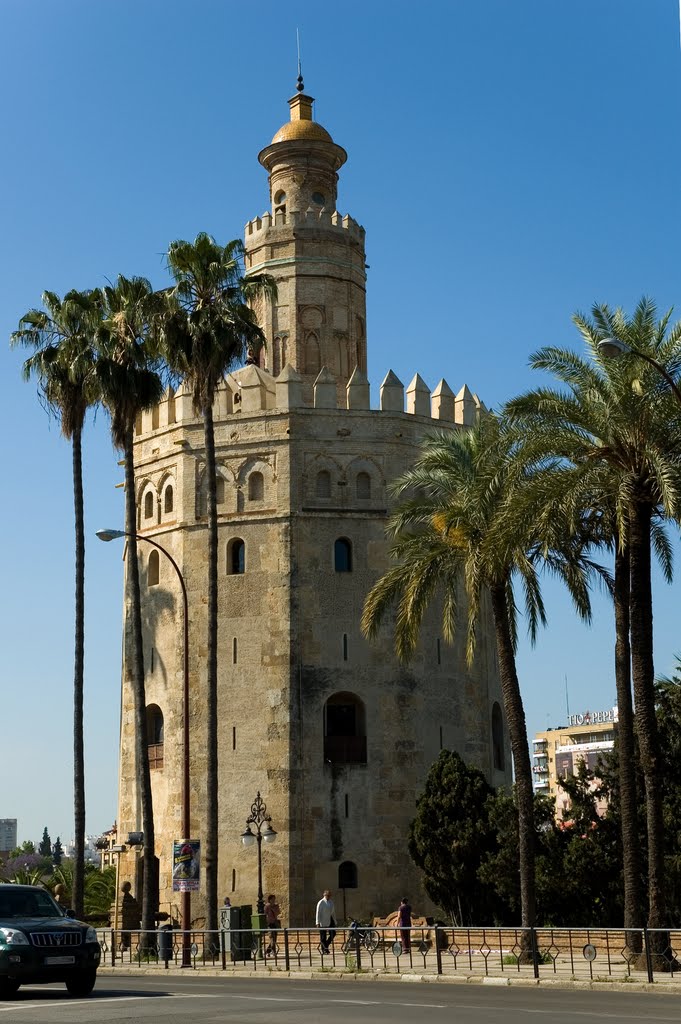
(267, 999)
(384, 1002)
(644, 1016)
(95, 1001)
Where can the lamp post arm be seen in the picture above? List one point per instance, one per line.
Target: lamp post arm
(660, 369)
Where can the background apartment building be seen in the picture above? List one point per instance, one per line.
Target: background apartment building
(558, 752)
(8, 834)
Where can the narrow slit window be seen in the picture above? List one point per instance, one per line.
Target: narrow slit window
(345, 646)
(233, 737)
(347, 806)
(234, 651)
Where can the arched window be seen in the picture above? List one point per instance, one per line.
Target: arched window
(148, 505)
(345, 730)
(276, 357)
(499, 759)
(236, 557)
(153, 569)
(342, 555)
(363, 485)
(323, 486)
(168, 499)
(220, 490)
(155, 735)
(312, 362)
(256, 487)
(347, 875)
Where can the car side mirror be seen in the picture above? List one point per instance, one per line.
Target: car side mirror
(69, 912)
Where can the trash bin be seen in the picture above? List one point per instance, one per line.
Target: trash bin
(241, 935)
(165, 943)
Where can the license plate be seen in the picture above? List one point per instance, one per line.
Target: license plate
(58, 961)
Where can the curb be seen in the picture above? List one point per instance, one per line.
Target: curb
(661, 987)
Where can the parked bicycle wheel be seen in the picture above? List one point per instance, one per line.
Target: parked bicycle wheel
(372, 939)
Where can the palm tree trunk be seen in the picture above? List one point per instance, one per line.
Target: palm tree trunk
(644, 696)
(78, 755)
(515, 716)
(149, 897)
(211, 850)
(631, 859)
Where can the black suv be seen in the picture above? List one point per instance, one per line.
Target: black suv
(39, 943)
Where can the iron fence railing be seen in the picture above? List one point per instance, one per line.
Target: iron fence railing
(569, 953)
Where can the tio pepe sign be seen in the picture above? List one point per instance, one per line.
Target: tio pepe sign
(593, 717)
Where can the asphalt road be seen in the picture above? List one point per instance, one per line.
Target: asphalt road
(155, 1000)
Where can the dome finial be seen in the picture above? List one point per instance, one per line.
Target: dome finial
(300, 86)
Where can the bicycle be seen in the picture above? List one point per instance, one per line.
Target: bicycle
(368, 937)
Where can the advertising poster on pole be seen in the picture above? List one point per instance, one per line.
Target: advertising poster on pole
(186, 865)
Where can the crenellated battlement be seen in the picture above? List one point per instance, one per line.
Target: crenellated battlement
(303, 218)
(252, 391)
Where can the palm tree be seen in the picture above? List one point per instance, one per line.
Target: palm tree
(209, 327)
(617, 425)
(61, 336)
(129, 383)
(465, 529)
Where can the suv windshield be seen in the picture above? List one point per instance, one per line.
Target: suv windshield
(27, 903)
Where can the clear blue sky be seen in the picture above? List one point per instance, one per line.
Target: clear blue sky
(511, 162)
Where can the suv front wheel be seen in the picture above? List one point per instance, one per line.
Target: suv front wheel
(81, 983)
(8, 988)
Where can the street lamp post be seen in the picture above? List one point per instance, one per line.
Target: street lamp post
(259, 817)
(613, 348)
(185, 825)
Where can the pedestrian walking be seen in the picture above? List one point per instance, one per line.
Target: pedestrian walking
(272, 913)
(326, 921)
(404, 923)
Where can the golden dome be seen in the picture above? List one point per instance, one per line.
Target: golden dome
(302, 129)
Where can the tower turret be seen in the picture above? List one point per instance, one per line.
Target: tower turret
(315, 254)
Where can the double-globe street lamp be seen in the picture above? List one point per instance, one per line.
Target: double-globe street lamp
(259, 817)
(613, 348)
(185, 825)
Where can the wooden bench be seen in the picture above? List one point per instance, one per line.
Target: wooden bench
(423, 934)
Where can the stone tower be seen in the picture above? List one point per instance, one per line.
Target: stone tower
(334, 733)
(316, 255)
